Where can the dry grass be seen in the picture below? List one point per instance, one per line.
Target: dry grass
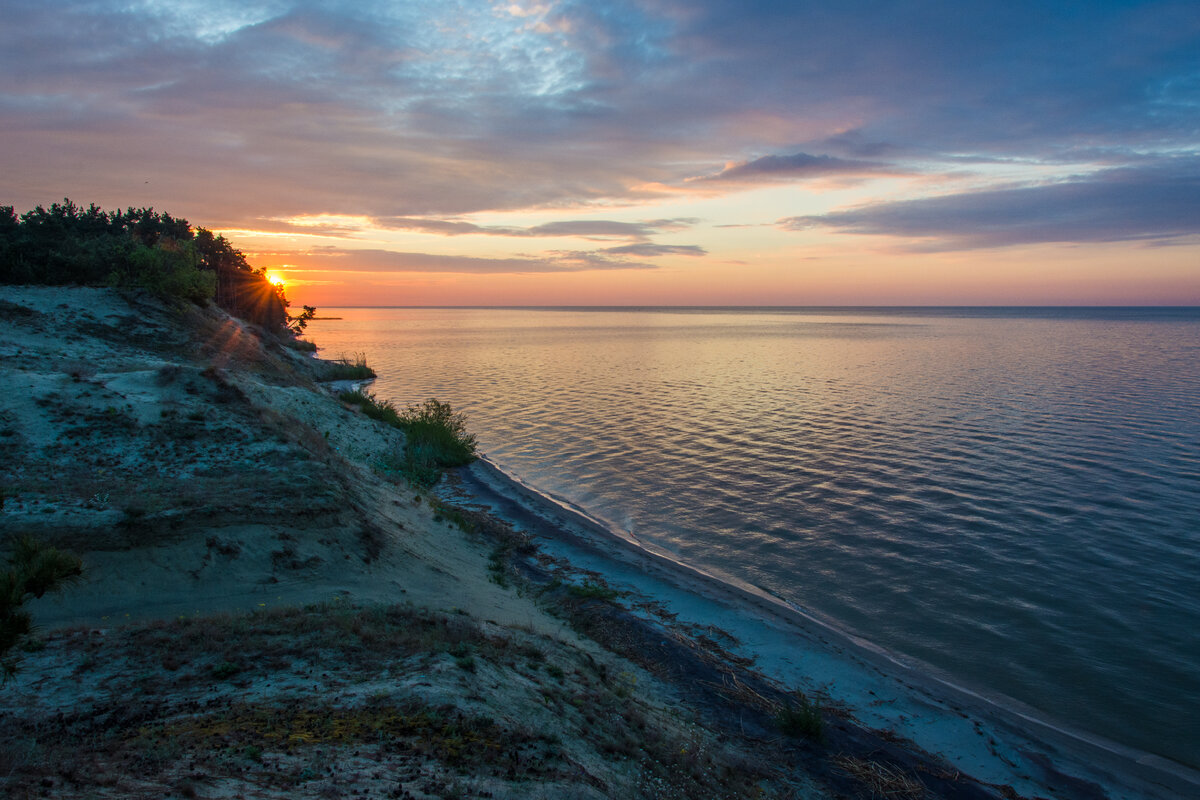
(882, 781)
(304, 701)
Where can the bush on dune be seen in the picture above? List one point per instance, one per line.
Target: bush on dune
(436, 435)
(439, 434)
(437, 438)
(33, 570)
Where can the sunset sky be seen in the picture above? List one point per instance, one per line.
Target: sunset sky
(696, 152)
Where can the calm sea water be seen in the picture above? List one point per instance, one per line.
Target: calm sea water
(1011, 496)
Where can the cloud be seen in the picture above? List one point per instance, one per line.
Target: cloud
(422, 112)
(374, 260)
(797, 166)
(654, 250)
(595, 229)
(1156, 202)
(329, 230)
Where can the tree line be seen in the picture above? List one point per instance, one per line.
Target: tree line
(67, 244)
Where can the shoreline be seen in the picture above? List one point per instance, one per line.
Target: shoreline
(223, 496)
(993, 738)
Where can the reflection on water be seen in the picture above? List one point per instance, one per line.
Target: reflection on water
(1010, 496)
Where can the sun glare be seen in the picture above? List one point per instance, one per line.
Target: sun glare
(276, 279)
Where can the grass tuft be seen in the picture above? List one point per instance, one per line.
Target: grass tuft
(373, 407)
(590, 590)
(348, 369)
(801, 719)
(436, 436)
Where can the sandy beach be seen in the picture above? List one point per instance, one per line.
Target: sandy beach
(268, 610)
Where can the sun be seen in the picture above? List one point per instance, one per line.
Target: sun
(276, 279)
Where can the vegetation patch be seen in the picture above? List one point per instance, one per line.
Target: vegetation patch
(801, 718)
(881, 780)
(67, 244)
(436, 437)
(441, 732)
(301, 345)
(33, 569)
(452, 514)
(382, 410)
(347, 369)
(593, 590)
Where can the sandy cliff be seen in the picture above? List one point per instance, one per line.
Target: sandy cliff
(268, 613)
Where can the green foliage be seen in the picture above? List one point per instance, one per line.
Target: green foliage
(801, 719)
(171, 272)
(301, 345)
(346, 369)
(417, 473)
(590, 590)
(455, 516)
(226, 669)
(382, 410)
(33, 570)
(436, 438)
(300, 321)
(498, 566)
(438, 434)
(67, 244)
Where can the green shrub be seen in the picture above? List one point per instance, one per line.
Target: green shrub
(590, 590)
(438, 434)
(436, 437)
(33, 570)
(226, 669)
(301, 345)
(801, 719)
(382, 410)
(454, 515)
(172, 272)
(345, 369)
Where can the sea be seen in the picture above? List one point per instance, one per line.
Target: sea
(1010, 496)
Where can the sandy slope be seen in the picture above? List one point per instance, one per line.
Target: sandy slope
(212, 489)
(207, 472)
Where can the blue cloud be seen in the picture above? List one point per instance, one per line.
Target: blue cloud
(797, 166)
(1157, 202)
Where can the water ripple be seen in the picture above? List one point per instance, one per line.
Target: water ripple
(1011, 497)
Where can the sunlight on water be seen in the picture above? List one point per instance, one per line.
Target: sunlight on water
(1011, 497)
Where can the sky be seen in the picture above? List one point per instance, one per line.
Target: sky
(640, 152)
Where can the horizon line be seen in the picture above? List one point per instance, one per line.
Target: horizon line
(1144, 306)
